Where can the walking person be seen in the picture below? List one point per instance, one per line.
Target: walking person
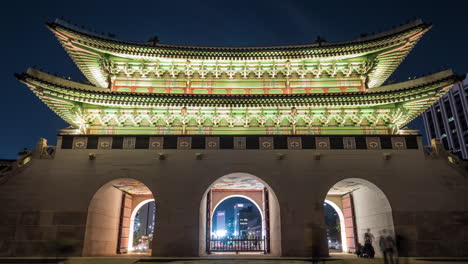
(390, 249)
(382, 244)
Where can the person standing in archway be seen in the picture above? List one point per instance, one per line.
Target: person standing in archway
(368, 249)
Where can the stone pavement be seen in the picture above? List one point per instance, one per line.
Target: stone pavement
(225, 260)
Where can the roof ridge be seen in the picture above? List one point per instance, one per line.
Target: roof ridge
(372, 37)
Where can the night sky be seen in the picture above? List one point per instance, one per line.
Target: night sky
(27, 42)
(228, 207)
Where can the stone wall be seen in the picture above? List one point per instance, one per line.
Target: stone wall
(48, 202)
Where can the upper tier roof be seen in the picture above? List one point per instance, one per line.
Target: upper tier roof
(383, 52)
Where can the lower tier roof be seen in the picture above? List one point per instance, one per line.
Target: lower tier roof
(84, 106)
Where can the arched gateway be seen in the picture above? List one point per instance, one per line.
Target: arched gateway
(362, 208)
(121, 219)
(245, 236)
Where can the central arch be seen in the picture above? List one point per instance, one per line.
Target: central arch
(269, 209)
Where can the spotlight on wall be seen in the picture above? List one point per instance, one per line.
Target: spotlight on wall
(280, 156)
(161, 156)
(387, 156)
(198, 156)
(92, 156)
(317, 156)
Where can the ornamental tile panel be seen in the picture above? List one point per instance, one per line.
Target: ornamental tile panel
(80, 142)
(266, 143)
(184, 142)
(349, 142)
(105, 143)
(373, 143)
(294, 143)
(322, 142)
(156, 142)
(129, 142)
(212, 142)
(240, 143)
(398, 143)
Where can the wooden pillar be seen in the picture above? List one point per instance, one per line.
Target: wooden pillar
(188, 87)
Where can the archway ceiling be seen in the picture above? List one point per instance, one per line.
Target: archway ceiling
(344, 187)
(132, 187)
(238, 182)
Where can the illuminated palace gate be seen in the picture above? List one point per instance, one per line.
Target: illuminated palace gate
(321, 96)
(252, 195)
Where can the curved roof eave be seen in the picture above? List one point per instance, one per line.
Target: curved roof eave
(446, 75)
(58, 23)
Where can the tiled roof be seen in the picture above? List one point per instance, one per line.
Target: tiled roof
(386, 50)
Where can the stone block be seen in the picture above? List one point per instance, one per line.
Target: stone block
(349, 142)
(6, 247)
(7, 232)
(408, 232)
(322, 142)
(46, 218)
(266, 143)
(212, 143)
(34, 248)
(398, 143)
(70, 232)
(105, 143)
(184, 143)
(70, 218)
(8, 218)
(427, 248)
(67, 248)
(373, 142)
(129, 142)
(80, 142)
(459, 218)
(29, 218)
(25, 233)
(240, 143)
(156, 142)
(403, 218)
(294, 143)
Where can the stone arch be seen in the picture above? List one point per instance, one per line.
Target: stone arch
(275, 220)
(364, 206)
(107, 225)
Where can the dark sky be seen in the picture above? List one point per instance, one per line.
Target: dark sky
(26, 41)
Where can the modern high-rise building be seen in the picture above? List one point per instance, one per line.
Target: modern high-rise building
(221, 221)
(447, 120)
(237, 208)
